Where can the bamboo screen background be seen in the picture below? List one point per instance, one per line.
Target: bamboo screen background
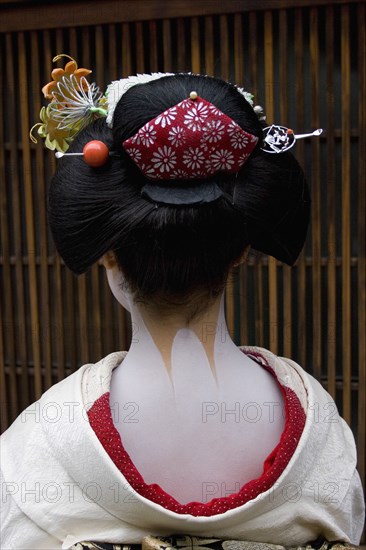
(306, 66)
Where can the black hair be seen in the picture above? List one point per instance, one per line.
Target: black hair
(165, 250)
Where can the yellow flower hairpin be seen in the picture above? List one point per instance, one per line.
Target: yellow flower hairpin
(74, 104)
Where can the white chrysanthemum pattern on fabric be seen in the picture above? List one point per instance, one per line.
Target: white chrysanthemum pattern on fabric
(244, 157)
(215, 111)
(191, 140)
(177, 136)
(166, 118)
(213, 131)
(194, 158)
(164, 159)
(148, 170)
(196, 116)
(179, 174)
(238, 141)
(222, 160)
(146, 136)
(135, 154)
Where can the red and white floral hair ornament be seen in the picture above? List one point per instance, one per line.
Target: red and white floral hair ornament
(191, 140)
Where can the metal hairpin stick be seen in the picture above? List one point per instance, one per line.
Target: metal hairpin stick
(315, 133)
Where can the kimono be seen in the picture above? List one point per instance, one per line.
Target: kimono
(67, 481)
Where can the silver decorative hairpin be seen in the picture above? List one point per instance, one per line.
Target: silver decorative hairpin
(278, 139)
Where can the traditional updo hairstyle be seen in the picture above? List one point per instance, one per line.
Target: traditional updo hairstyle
(168, 252)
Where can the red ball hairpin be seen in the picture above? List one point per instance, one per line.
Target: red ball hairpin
(95, 153)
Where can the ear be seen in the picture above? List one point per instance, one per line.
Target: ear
(109, 260)
(243, 256)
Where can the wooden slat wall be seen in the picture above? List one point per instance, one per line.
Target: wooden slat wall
(306, 65)
(361, 237)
